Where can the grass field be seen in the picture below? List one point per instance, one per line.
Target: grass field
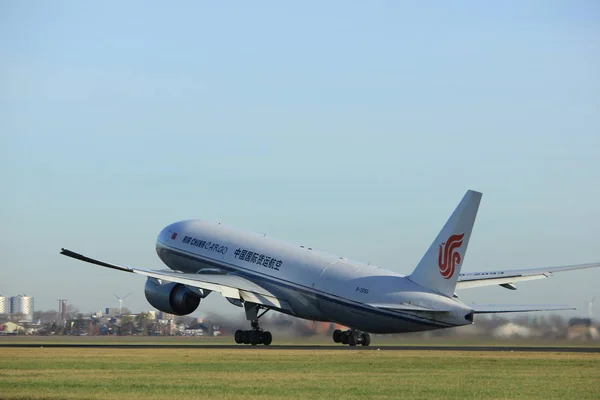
(43, 373)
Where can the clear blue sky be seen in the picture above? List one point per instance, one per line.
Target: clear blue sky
(354, 127)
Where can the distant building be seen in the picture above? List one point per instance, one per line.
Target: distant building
(4, 305)
(167, 316)
(62, 311)
(113, 312)
(22, 305)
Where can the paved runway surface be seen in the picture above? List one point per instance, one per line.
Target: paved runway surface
(544, 349)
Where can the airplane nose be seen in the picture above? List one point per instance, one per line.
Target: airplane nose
(168, 233)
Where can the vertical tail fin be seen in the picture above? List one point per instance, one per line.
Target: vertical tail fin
(439, 268)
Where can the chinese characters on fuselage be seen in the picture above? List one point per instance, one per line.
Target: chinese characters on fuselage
(203, 244)
(256, 258)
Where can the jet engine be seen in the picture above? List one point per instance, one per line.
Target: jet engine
(171, 297)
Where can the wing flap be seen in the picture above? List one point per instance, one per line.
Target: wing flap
(230, 286)
(266, 300)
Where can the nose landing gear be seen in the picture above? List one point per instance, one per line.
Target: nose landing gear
(351, 337)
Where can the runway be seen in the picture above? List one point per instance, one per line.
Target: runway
(528, 349)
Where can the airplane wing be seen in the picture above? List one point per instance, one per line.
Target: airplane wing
(500, 308)
(231, 286)
(507, 279)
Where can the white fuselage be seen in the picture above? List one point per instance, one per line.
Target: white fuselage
(317, 285)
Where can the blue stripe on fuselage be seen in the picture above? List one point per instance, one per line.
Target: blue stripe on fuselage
(254, 275)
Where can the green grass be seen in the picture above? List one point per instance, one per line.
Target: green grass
(43, 373)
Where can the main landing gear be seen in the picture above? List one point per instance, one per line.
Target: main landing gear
(351, 337)
(256, 335)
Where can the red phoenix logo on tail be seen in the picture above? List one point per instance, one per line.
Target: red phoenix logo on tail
(448, 256)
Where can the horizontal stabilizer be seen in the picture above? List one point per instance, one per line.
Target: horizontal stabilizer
(510, 308)
(477, 279)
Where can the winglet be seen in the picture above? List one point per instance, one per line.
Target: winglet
(81, 257)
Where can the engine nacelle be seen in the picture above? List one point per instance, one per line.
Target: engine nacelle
(171, 297)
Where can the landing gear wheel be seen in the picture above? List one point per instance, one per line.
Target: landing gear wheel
(337, 336)
(255, 337)
(345, 337)
(266, 338)
(239, 336)
(246, 337)
(366, 339)
(352, 339)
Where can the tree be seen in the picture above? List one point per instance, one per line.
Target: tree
(57, 329)
(142, 323)
(93, 328)
(14, 317)
(45, 316)
(72, 311)
(127, 326)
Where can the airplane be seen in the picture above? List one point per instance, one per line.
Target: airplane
(260, 273)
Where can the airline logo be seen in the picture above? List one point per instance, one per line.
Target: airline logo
(448, 255)
(174, 236)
